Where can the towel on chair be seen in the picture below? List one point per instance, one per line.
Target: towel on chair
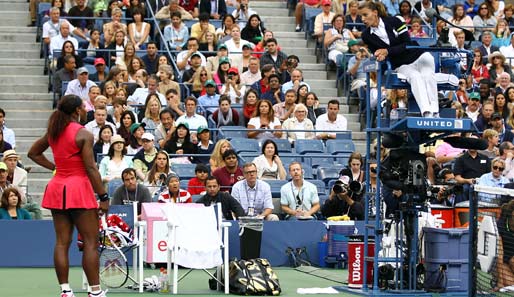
(197, 238)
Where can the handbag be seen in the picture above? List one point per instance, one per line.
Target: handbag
(253, 277)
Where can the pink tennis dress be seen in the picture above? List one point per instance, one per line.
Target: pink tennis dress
(70, 187)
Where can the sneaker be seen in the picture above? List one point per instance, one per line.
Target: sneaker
(298, 28)
(101, 294)
(67, 294)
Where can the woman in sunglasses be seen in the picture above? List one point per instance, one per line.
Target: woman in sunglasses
(494, 178)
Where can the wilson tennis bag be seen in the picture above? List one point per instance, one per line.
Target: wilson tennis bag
(253, 277)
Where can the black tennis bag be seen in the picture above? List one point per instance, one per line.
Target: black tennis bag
(253, 277)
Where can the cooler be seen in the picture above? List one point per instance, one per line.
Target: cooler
(337, 236)
(356, 261)
(446, 213)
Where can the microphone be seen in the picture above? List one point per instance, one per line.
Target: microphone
(431, 13)
(467, 143)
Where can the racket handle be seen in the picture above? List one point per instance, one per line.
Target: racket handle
(104, 222)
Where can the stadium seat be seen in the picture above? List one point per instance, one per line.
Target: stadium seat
(320, 185)
(241, 145)
(229, 132)
(327, 173)
(275, 186)
(340, 147)
(315, 162)
(283, 145)
(247, 157)
(184, 171)
(304, 146)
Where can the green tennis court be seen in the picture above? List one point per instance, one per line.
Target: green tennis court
(41, 282)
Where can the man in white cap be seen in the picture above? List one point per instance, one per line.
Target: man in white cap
(80, 86)
(144, 159)
(4, 183)
(16, 176)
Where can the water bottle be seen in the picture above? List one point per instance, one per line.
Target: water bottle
(164, 288)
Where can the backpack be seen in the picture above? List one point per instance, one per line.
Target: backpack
(253, 277)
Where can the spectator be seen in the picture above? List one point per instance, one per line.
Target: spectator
(229, 174)
(491, 136)
(120, 51)
(353, 20)
(243, 12)
(331, 121)
(353, 171)
(254, 195)
(494, 178)
(324, 17)
(174, 194)
(337, 38)
(235, 43)
(183, 58)
(127, 120)
(144, 158)
(191, 118)
(90, 50)
(205, 145)
(471, 8)
(4, 145)
(67, 73)
(196, 185)
(301, 93)
(52, 27)
(16, 176)
(100, 74)
(262, 86)
(176, 33)
(210, 45)
(157, 6)
(200, 77)
(99, 7)
(190, 6)
(174, 105)
(135, 5)
(225, 115)
(174, 7)
(484, 118)
(115, 161)
(10, 206)
(298, 122)
(166, 83)
(343, 204)
(98, 102)
(299, 11)
(249, 105)
(416, 30)
(264, 119)
(285, 110)
(138, 30)
(253, 74)
(81, 10)
(468, 168)
(140, 95)
(498, 125)
(194, 65)
(102, 145)
(230, 207)
(112, 27)
(57, 42)
(460, 18)
(509, 11)
(165, 129)
(260, 47)
(217, 12)
(268, 164)
(81, 85)
(291, 65)
(214, 61)
(485, 90)
(200, 29)
(502, 37)
(500, 105)
(151, 110)
(135, 64)
(274, 56)
(274, 94)
(220, 76)
(131, 191)
(8, 134)
(299, 198)
(232, 86)
(484, 20)
(68, 49)
(156, 177)
(312, 104)
(254, 29)
(295, 80)
(151, 59)
(504, 270)
(223, 33)
(100, 119)
(479, 71)
(216, 160)
(405, 11)
(473, 108)
(487, 47)
(180, 144)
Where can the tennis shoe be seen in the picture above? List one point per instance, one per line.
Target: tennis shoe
(101, 294)
(67, 294)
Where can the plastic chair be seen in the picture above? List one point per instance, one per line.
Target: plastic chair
(340, 146)
(230, 132)
(275, 186)
(315, 162)
(327, 173)
(320, 185)
(184, 171)
(283, 145)
(245, 145)
(304, 146)
(197, 239)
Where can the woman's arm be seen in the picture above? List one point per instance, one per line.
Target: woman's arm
(145, 33)
(252, 134)
(329, 38)
(280, 166)
(36, 153)
(132, 37)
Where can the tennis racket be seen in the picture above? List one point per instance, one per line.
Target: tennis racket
(114, 268)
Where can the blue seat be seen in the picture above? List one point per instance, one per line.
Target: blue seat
(326, 174)
(283, 145)
(184, 171)
(91, 69)
(307, 171)
(247, 157)
(340, 146)
(319, 161)
(275, 186)
(304, 146)
(230, 132)
(309, 15)
(241, 145)
(320, 185)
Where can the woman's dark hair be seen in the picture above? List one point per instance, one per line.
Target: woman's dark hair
(5, 197)
(130, 68)
(405, 2)
(110, 153)
(249, 25)
(248, 92)
(2, 142)
(374, 6)
(313, 94)
(265, 143)
(174, 136)
(64, 44)
(153, 170)
(100, 141)
(221, 74)
(454, 11)
(506, 94)
(505, 110)
(61, 117)
(271, 113)
(298, 93)
(137, 10)
(338, 16)
(227, 16)
(354, 156)
(507, 209)
(224, 98)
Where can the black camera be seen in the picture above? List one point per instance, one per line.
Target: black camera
(242, 7)
(230, 76)
(353, 188)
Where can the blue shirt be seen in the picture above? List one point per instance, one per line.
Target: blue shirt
(307, 195)
(258, 197)
(171, 35)
(21, 214)
(209, 103)
(490, 181)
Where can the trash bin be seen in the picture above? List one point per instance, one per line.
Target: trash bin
(250, 236)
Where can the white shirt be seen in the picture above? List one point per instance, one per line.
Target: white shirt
(140, 94)
(75, 88)
(380, 31)
(56, 43)
(193, 122)
(323, 123)
(234, 49)
(94, 128)
(9, 136)
(248, 78)
(508, 52)
(182, 55)
(53, 29)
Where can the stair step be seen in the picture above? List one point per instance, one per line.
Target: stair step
(16, 46)
(292, 43)
(15, 6)
(289, 27)
(38, 63)
(311, 74)
(38, 89)
(275, 20)
(16, 18)
(32, 114)
(29, 97)
(9, 105)
(23, 80)
(16, 37)
(299, 51)
(17, 53)
(14, 29)
(24, 70)
(28, 132)
(265, 5)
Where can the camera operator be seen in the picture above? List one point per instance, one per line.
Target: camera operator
(291, 64)
(342, 202)
(446, 195)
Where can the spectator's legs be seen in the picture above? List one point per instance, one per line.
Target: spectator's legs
(63, 226)
(33, 10)
(87, 225)
(298, 13)
(272, 217)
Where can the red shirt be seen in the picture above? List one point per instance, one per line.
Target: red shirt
(195, 186)
(227, 179)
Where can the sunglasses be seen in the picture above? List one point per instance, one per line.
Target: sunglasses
(498, 168)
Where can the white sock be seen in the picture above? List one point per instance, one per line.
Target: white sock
(97, 292)
(65, 287)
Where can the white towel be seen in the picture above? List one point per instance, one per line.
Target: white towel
(328, 290)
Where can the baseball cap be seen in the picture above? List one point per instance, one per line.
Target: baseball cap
(233, 70)
(147, 136)
(82, 70)
(196, 54)
(134, 127)
(185, 125)
(201, 167)
(117, 138)
(99, 61)
(247, 45)
(3, 166)
(222, 46)
(10, 154)
(224, 60)
(210, 82)
(474, 95)
(496, 115)
(170, 176)
(202, 129)
(326, 2)
(353, 42)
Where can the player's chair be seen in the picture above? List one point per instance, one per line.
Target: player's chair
(197, 239)
(129, 214)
